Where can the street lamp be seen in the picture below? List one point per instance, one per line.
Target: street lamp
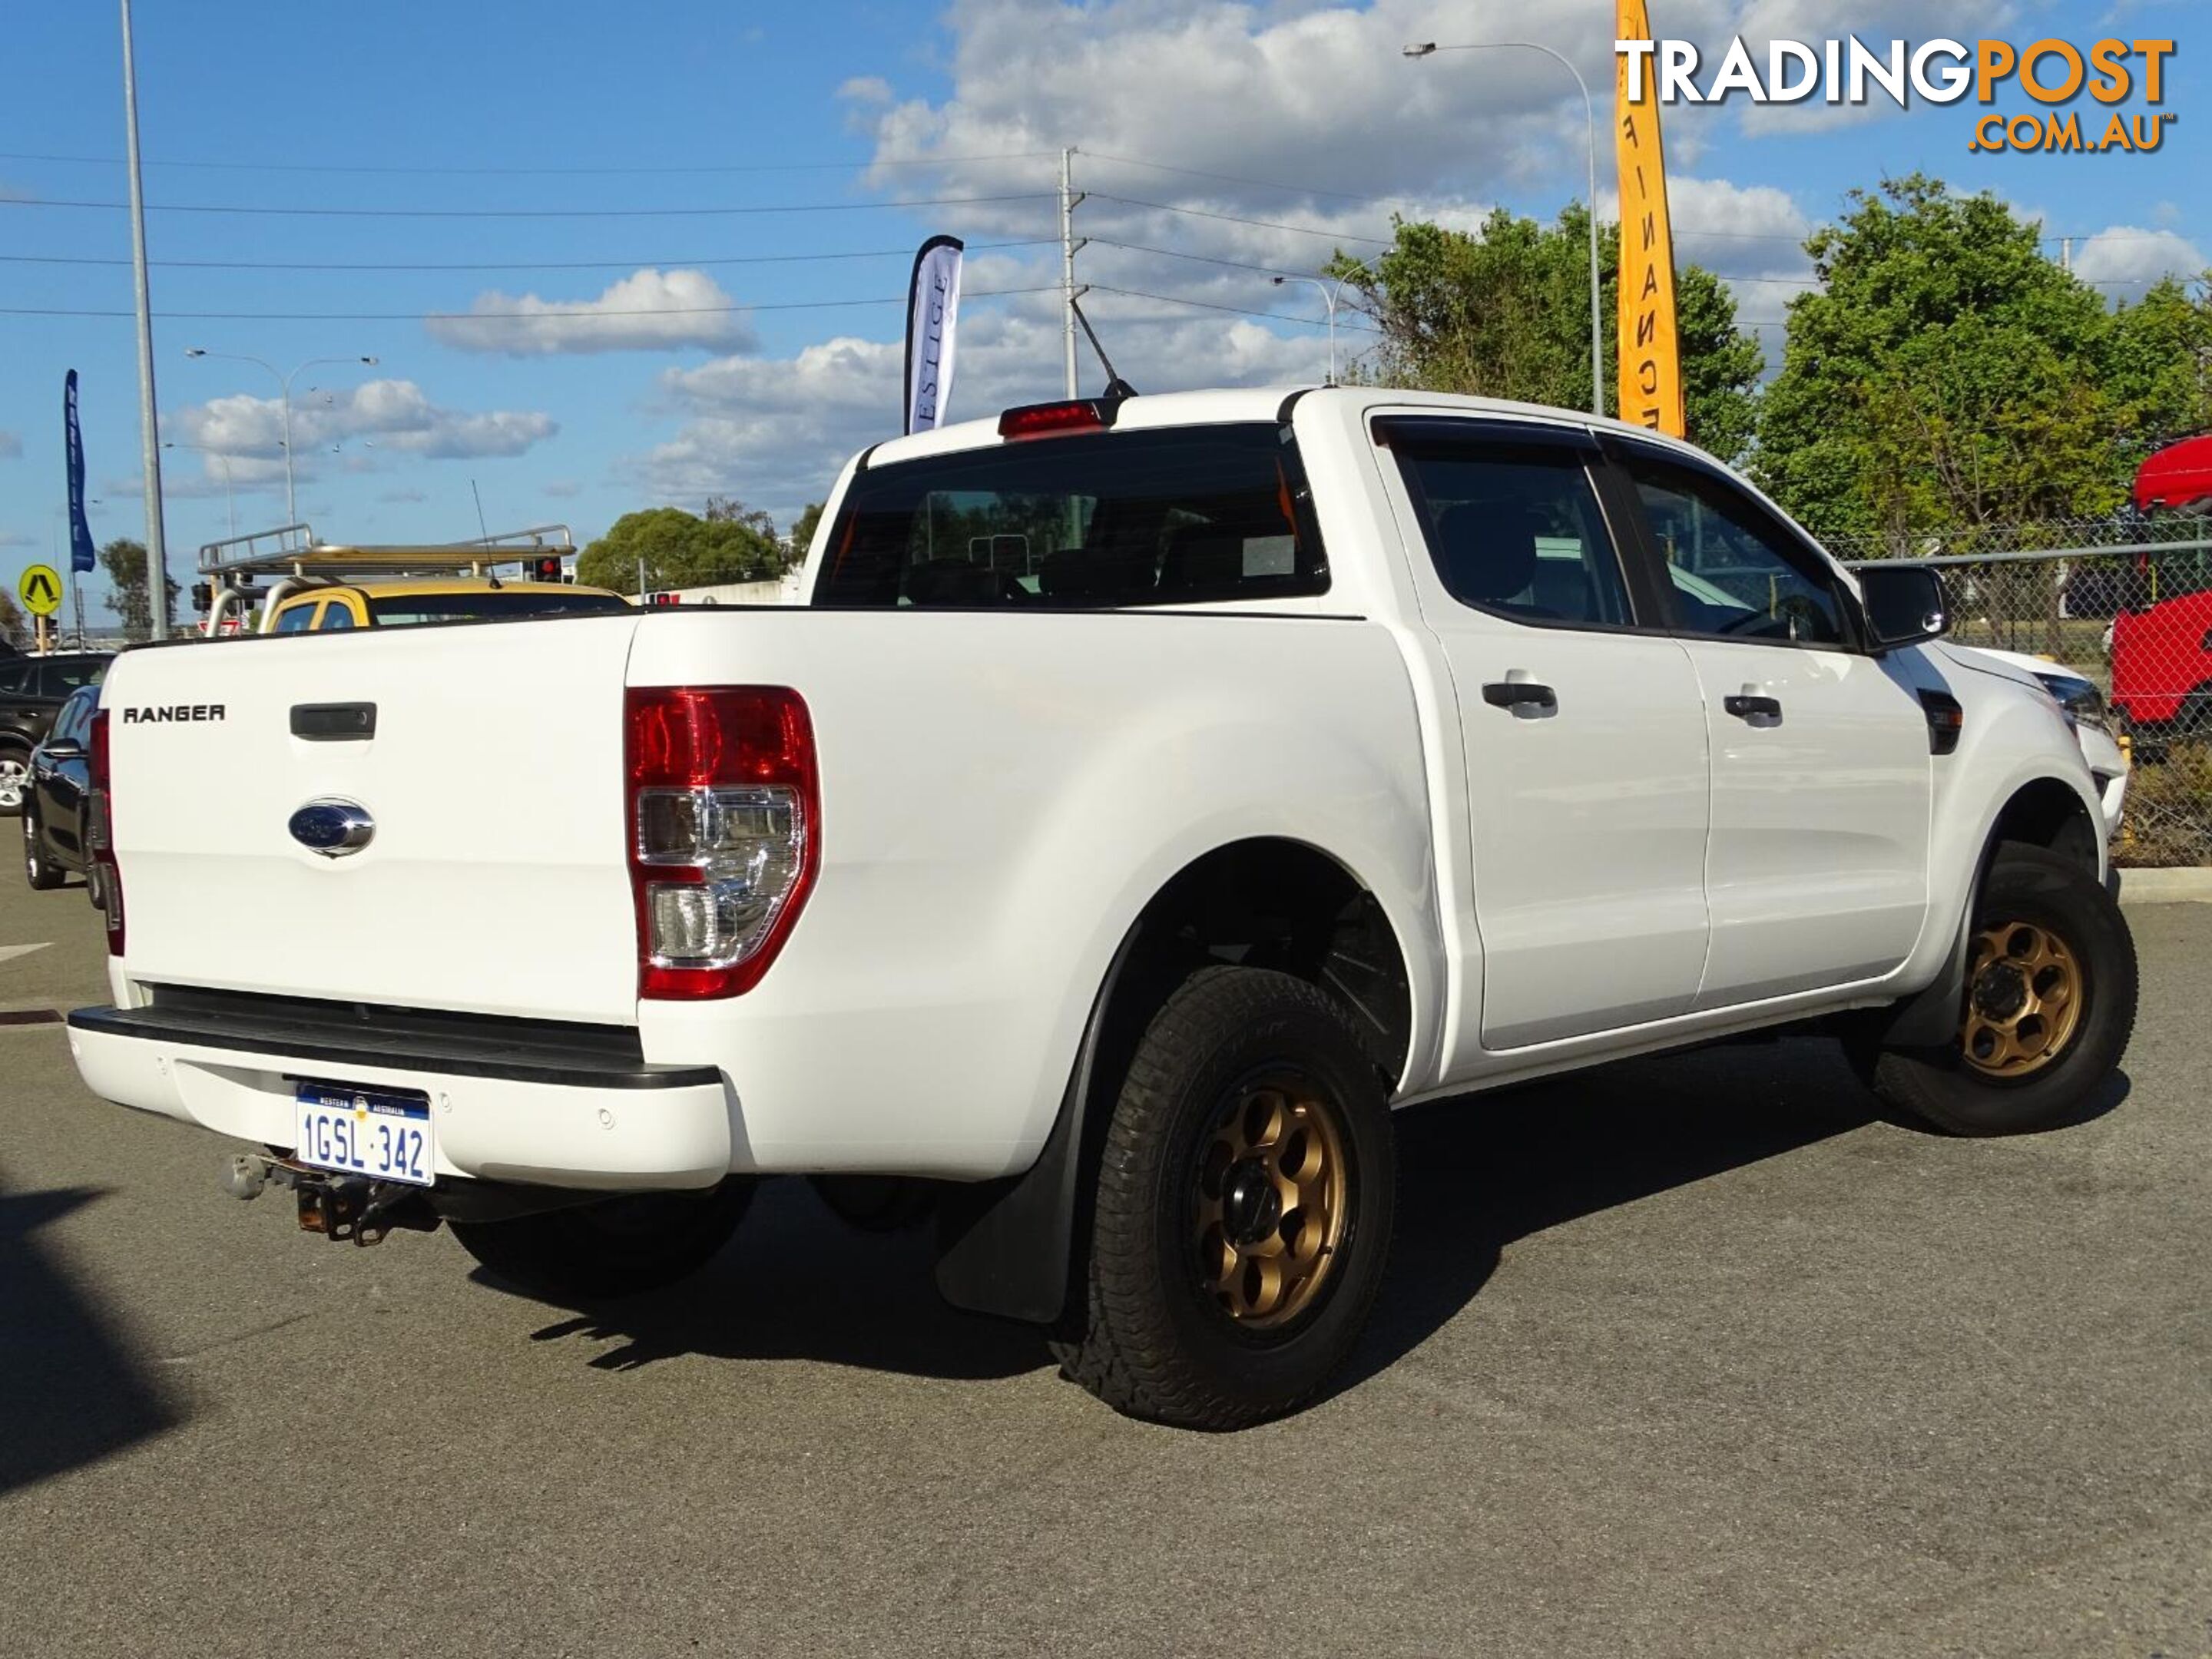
(291, 503)
(1427, 48)
(1329, 296)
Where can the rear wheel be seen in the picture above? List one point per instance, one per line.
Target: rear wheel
(39, 870)
(1245, 1207)
(2048, 1004)
(615, 1247)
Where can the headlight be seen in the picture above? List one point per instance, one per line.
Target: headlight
(2083, 703)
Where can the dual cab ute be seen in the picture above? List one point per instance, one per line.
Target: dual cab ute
(1152, 794)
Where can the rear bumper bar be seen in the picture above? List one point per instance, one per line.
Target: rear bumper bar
(548, 1108)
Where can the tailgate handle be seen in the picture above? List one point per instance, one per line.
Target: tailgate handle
(333, 722)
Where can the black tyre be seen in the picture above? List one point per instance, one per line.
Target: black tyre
(41, 871)
(1243, 1207)
(615, 1247)
(2049, 1003)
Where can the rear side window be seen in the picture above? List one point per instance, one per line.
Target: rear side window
(1515, 529)
(295, 619)
(1171, 517)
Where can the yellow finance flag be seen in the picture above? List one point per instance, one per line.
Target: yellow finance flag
(1651, 358)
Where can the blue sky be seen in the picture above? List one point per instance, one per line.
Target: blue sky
(442, 130)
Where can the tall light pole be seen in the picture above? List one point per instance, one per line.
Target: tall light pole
(1428, 48)
(150, 435)
(291, 500)
(1330, 295)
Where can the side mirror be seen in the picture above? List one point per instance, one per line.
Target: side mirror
(1903, 603)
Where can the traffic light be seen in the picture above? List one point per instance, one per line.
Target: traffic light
(203, 595)
(546, 567)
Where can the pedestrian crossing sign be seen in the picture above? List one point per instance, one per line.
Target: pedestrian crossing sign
(41, 588)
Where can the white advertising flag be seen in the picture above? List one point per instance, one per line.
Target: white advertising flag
(933, 312)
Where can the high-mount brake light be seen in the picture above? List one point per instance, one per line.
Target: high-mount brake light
(1051, 420)
(100, 833)
(724, 812)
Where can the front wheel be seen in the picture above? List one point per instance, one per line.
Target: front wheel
(2049, 1004)
(1243, 1208)
(614, 1246)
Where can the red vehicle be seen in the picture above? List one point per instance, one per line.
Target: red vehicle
(2162, 655)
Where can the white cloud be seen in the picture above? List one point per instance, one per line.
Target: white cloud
(648, 310)
(562, 490)
(2122, 261)
(11, 446)
(404, 497)
(389, 416)
(17, 539)
(775, 430)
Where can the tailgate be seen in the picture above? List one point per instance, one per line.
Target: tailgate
(494, 879)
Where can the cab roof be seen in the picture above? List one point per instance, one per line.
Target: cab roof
(1170, 409)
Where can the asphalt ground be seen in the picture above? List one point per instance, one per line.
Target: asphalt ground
(1693, 1355)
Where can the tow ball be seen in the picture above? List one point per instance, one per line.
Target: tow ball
(338, 1207)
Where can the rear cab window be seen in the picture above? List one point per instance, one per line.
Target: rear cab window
(1177, 515)
(521, 599)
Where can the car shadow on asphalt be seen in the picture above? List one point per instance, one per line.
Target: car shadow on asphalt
(798, 1284)
(1475, 1174)
(71, 1392)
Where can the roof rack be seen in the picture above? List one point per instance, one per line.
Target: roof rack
(292, 550)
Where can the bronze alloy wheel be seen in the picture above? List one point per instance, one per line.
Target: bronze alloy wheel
(2024, 995)
(1271, 1203)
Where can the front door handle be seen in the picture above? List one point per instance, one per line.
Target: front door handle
(1517, 695)
(1749, 707)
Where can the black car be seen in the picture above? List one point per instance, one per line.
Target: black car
(53, 796)
(31, 692)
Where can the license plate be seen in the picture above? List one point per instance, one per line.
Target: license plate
(382, 1134)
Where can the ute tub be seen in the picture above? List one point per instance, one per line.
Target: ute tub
(552, 1107)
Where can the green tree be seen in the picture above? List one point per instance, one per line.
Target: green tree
(1504, 312)
(803, 528)
(1945, 375)
(2158, 371)
(682, 550)
(124, 560)
(15, 629)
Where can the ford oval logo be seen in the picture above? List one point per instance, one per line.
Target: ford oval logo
(332, 827)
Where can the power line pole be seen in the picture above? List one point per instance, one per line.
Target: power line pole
(2066, 253)
(1068, 244)
(149, 432)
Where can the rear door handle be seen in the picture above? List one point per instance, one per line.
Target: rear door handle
(1520, 694)
(1748, 707)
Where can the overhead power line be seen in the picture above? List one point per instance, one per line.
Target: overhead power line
(531, 213)
(550, 314)
(1242, 219)
(541, 172)
(508, 264)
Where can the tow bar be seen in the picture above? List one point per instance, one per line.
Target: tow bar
(338, 1207)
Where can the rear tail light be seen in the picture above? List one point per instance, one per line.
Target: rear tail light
(725, 820)
(100, 834)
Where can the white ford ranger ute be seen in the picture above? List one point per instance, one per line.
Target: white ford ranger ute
(1151, 795)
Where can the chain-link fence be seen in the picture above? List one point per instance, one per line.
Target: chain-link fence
(2125, 604)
